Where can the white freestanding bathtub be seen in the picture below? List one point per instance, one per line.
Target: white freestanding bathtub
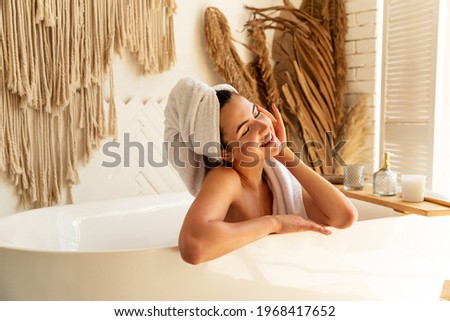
(126, 250)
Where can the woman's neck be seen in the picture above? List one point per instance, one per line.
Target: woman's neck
(251, 175)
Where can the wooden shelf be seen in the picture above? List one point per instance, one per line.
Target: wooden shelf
(425, 208)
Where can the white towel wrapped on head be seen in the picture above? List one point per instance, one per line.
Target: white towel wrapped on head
(192, 131)
(192, 122)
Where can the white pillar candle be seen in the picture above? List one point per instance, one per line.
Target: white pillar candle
(413, 188)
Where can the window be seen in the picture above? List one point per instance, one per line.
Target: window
(441, 166)
(411, 101)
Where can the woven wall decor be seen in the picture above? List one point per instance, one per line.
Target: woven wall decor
(54, 58)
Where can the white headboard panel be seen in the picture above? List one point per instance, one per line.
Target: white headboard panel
(105, 177)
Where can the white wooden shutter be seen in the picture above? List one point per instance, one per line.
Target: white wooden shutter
(408, 84)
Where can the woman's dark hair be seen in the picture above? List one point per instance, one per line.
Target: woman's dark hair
(224, 97)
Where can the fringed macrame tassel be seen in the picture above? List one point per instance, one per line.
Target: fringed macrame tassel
(2, 131)
(112, 121)
(39, 10)
(54, 183)
(3, 93)
(110, 32)
(28, 176)
(97, 36)
(23, 51)
(74, 34)
(119, 27)
(169, 37)
(88, 126)
(12, 158)
(49, 13)
(98, 115)
(93, 120)
(43, 170)
(71, 174)
(102, 128)
(147, 31)
(69, 195)
(11, 51)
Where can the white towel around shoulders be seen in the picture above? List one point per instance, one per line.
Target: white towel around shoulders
(286, 190)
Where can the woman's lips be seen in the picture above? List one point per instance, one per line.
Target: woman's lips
(269, 138)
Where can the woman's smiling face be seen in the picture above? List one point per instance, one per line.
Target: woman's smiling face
(248, 133)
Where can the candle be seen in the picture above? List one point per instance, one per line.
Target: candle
(413, 188)
(354, 177)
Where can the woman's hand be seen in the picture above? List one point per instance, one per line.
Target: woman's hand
(295, 223)
(277, 122)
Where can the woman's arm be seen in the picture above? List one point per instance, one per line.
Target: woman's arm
(324, 203)
(205, 235)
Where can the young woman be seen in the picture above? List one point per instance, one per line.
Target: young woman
(234, 205)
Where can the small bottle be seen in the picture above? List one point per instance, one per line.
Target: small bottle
(385, 180)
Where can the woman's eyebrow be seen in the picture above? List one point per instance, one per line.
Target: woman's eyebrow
(245, 121)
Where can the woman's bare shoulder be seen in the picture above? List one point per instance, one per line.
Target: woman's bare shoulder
(221, 187)
(224, 175)
(221, 181)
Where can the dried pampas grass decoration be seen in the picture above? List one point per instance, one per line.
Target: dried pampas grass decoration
(261, 69)
(220, 47)
(309, 93)
(308, 78)
(334, 19)
(355, 131)
(353, 122)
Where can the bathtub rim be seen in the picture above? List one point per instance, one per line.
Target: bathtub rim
(132, 250)
(84, 252)
(181, 196)
(120, 199)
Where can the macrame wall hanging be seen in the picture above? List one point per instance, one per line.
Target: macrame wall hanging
(307, 80)
(54, 58)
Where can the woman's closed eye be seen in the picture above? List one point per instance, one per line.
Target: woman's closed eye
(255, 115)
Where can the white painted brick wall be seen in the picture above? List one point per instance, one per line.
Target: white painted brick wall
(362, 32)
(351, 20)
(351, 75)
(362, 52)
(361, 40)
(358, 6)
(350, 47)
(361, 86)
(360, 60)
(365, 45)
(365, 73)
(366, 18)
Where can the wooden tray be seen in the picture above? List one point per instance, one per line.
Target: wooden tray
(426, 208)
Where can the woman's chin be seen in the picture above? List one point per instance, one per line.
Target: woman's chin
(273, 149)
